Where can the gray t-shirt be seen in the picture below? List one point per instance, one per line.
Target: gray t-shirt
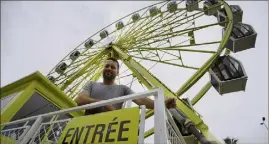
(98, 90)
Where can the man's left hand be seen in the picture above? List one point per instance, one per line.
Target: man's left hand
(170, 103)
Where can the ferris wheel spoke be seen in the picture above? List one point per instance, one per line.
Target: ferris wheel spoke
(170, 23)
(174, 24)
(78, 64)
(151, 23)
(168, 63)
(63, 78)
(99, 56)
(91, 53)
(133, 80)
(170, 54)
(181, 32)
(159, 39)
(60, 80)
(72, 89)
(141, 23)
(139, 62)
(82, 81)
(175, 33)
(175, 47)
(131, 26)
(134, 24)
(149, 26)
(82, 59)
(125, 76)
(136, 29)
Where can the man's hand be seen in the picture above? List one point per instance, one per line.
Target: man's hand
(109, 107)
(170, 103)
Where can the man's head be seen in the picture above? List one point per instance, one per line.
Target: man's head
(111, 69)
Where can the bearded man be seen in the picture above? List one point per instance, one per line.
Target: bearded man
(98, 91)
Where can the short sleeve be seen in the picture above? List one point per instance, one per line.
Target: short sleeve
(128, 90)
(88, 87)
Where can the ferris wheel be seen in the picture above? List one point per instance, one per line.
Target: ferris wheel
(187, 39)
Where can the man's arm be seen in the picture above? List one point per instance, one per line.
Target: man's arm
(83, 99)
(145, 101)
(169, 102)
(140, 101)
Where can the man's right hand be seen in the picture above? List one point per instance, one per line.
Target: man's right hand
(83, 99)
(110, 107)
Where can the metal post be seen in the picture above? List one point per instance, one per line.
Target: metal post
(128, 104)
(160, 135)
(32, 130)
(24, 132)
(142, 125)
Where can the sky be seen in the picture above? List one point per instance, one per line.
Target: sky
(37, 35)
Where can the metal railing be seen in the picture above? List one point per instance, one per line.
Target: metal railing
(45, 129)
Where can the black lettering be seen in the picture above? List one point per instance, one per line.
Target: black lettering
(67, 135)
(121, 129)
(100, 132)
(87, 133)
(77, 135)
(110, 130)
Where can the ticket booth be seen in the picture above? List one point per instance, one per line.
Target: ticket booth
(30, 96)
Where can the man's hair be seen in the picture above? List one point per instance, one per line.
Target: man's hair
(114, 60)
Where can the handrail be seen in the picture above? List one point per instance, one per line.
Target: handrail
(159, 119)
(88, 106)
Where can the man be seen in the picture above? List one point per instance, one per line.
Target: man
(98, 91)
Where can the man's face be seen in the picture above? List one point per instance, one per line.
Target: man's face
(110, 70)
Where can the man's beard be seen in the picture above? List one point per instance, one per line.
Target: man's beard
(108, 78)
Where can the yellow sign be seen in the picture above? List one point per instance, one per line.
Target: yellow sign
(120, 127)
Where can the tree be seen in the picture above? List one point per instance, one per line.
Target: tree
(229, 140)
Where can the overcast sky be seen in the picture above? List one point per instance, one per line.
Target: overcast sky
(35, 36)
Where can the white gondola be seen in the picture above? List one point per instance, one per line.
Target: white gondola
(237, 15)
(211, 7)
(153, 11)
(172, 6)
(192, 5)
(103, 34)
(243, 37)
(119, 25)
(51, 78)
(89, 43)
(228, 75)
(74, 55)
(61, 68)
(135, 17)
